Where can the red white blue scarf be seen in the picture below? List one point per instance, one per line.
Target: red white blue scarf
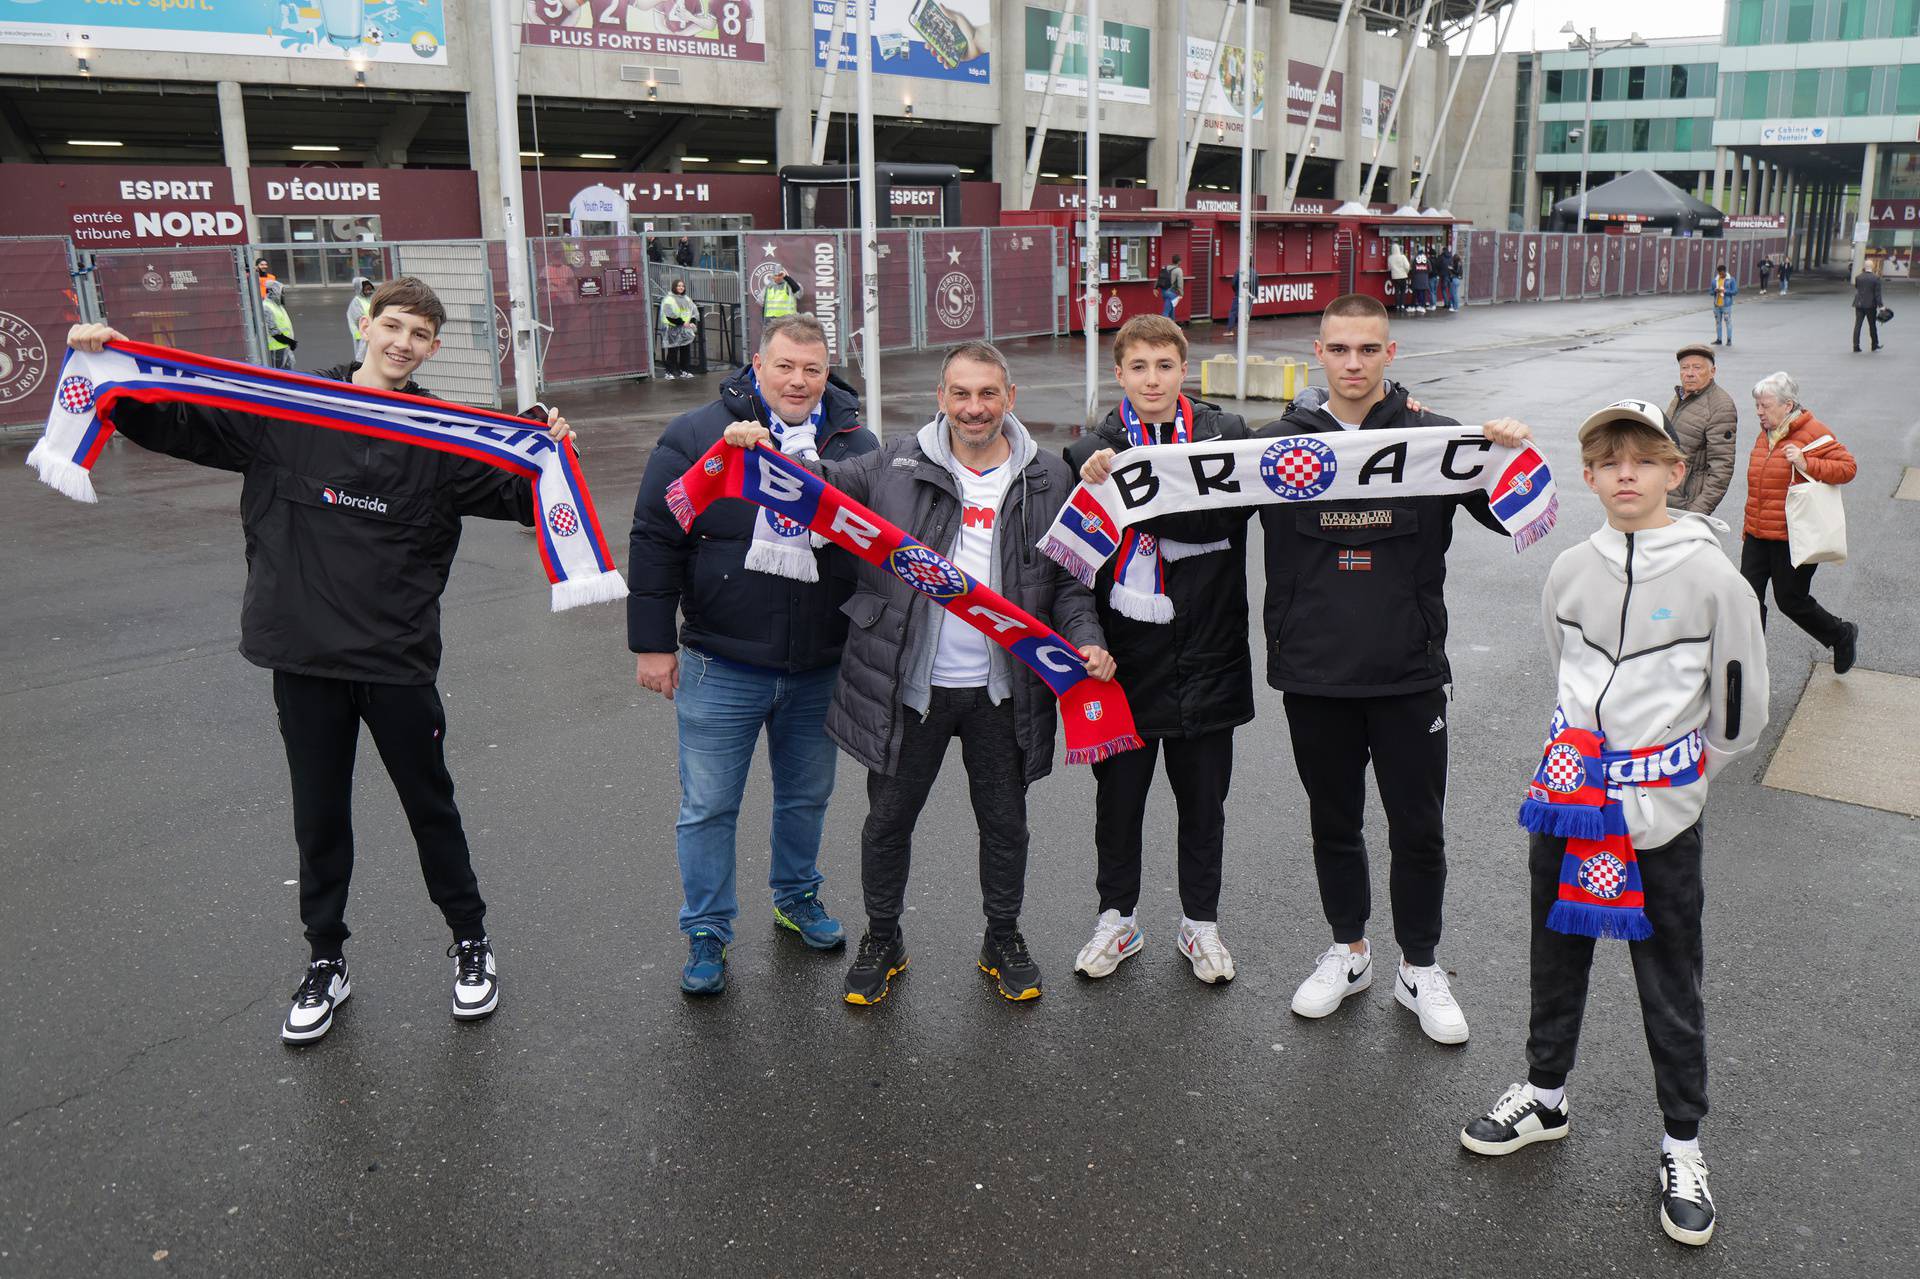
(572, 548)
(780, 546)
(1423, 461)
(1096, 719)
(1139, 566)
(1575, 794)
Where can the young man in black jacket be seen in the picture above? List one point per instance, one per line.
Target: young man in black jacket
(755, 650)
(349, 543)
(1183, 656)
(1356, 623)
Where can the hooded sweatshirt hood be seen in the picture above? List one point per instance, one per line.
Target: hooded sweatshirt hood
(1658, 551)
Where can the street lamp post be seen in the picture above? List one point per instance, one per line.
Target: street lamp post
(1594, 46)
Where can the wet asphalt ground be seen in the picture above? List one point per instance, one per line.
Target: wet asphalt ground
(151, 1122)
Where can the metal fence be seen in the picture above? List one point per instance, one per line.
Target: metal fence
(38, 302)
(1536, 266)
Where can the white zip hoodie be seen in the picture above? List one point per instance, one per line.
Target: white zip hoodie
(1655, 634)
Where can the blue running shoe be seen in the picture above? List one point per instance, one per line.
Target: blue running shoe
(806, 916)
(706, 970)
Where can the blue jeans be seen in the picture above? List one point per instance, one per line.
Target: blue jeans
(1168, 301)
(1453, 293)
(1723, 320)
(721, 709)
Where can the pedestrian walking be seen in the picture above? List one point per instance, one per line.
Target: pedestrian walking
(753, 651)
(1173, 606)
(1725, 287)
(1704, 421)
(1792, 447)
(1171, 283)
(280, 339)
(1398, 271)
(1765, 268)
(679, 323)
(683, 251)
(1422, 283)
(1786, 275)
(1661, 674)
(1447, 268)
(972, 485)
(1867, 301)
(1233, 306)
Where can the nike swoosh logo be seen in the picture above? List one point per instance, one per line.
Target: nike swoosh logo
(1353, 977)
(1411, 988)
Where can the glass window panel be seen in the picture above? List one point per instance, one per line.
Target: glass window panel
(1747, 22)
(1677, 81)
(1853, 18)
(1906, 18)
(1806, 93)
(1553, 90)
(1641, 135)
(1754, 96)
(1907, 100)
(1636, 83)
(1799, 21)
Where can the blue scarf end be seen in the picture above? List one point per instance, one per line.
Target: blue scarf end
(1582, 919)
(1568, 821)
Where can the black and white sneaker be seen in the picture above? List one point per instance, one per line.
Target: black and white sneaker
(324, 989)
(1517, 1119)
(476, 986)
(1686, 1209)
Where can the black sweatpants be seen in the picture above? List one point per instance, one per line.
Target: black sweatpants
(1199, 769)
(1667, 968)
(1870, 316)
(1405, 737)
(1763, 561)
(320, 723)
(996, 781)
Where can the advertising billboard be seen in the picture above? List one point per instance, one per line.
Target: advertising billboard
(923, 39)
(1222, 102)
(1126, 53)
(734, 30)
(407, 31)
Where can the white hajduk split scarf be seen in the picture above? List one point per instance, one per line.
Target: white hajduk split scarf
(567, 531)
(1422, 461)
(781, 546)
(1139, 573)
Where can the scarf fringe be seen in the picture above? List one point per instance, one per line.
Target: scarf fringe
(1580, 919)
(1173, 552)
(1568, 821)
(1105, 750)
(601, 588)
(1537, 527)
(1066, 557)
(1139, 605)
(62, 474)
(794, 562)
(680, 504)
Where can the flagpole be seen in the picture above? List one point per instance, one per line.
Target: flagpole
(1244, 300)
(869, 230)
(506, 115)
(1091, 272)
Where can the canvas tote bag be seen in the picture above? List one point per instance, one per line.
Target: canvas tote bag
(1816, 518)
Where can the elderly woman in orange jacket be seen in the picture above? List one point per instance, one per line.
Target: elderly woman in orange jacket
(1786, 429)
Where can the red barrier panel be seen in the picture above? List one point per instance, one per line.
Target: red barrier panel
(36, 307)
(1483, 258)
(954, 266)
(1639, 266)
(195, 299)
(1590, 264)
(502, 329)
(1530, 268)
(1506, 285)
(817, 260)
(592, 291)
(1553, 267)
(1022, 280)
(1616, 266)
(895, 253)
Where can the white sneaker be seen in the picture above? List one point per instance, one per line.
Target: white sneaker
(1425, 991)
(1201, 944)
(1115, 937)
(476, 982)
(324, 988)
(1339, 973)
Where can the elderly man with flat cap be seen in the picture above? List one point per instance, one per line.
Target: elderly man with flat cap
(1703, 421)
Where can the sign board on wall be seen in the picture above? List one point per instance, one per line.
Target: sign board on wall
(1126, 54)
(1048, 195)
(1302, 79)
(1224, 107)
(1895, 214)
(1795, 133)
(404, 31)
(1754, 222)
(1376, 104)
(152, 224)
(729, 29)
(922, 39)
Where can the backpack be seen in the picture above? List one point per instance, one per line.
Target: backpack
(1165, 282)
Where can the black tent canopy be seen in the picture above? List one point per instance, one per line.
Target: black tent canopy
(1643, 197)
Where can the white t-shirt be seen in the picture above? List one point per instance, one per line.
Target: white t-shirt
(960, 658)
(1345, 425)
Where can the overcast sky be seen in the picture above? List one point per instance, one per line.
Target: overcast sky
(1538, 21)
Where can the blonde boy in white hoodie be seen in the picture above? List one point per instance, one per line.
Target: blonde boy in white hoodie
(1662, 679)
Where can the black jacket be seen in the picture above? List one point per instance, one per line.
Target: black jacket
(1867, 295)
(755, 618)
(1355, 632)
(349, 538)
(1193, 675)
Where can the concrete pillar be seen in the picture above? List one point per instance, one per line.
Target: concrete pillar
(1353, 169)
(1400, 155)
(1700, 187)
(1170, 68)
(233, 141)
(1735, 173)
(1719, 177)
(1010, 136)
(790, 62)
(1273, 174)
(1869, 171)
(483, 132)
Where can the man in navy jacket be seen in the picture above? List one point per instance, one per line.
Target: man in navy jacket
(753, 650)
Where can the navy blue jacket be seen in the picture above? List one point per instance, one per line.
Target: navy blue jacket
(701, 575)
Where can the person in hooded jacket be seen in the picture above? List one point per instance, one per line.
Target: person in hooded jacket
(753, 650)
(357, 308)
(1356, 629)
(1177, 627)
(349, 543)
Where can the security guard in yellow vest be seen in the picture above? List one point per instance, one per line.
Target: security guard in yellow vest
(280, 341)
(782, 296)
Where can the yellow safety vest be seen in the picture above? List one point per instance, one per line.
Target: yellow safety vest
(281, 322)
(778, 301)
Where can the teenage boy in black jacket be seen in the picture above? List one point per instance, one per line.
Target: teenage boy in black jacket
(1357, 643)
(343, 606)
(754, 649)
(1188, 677)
